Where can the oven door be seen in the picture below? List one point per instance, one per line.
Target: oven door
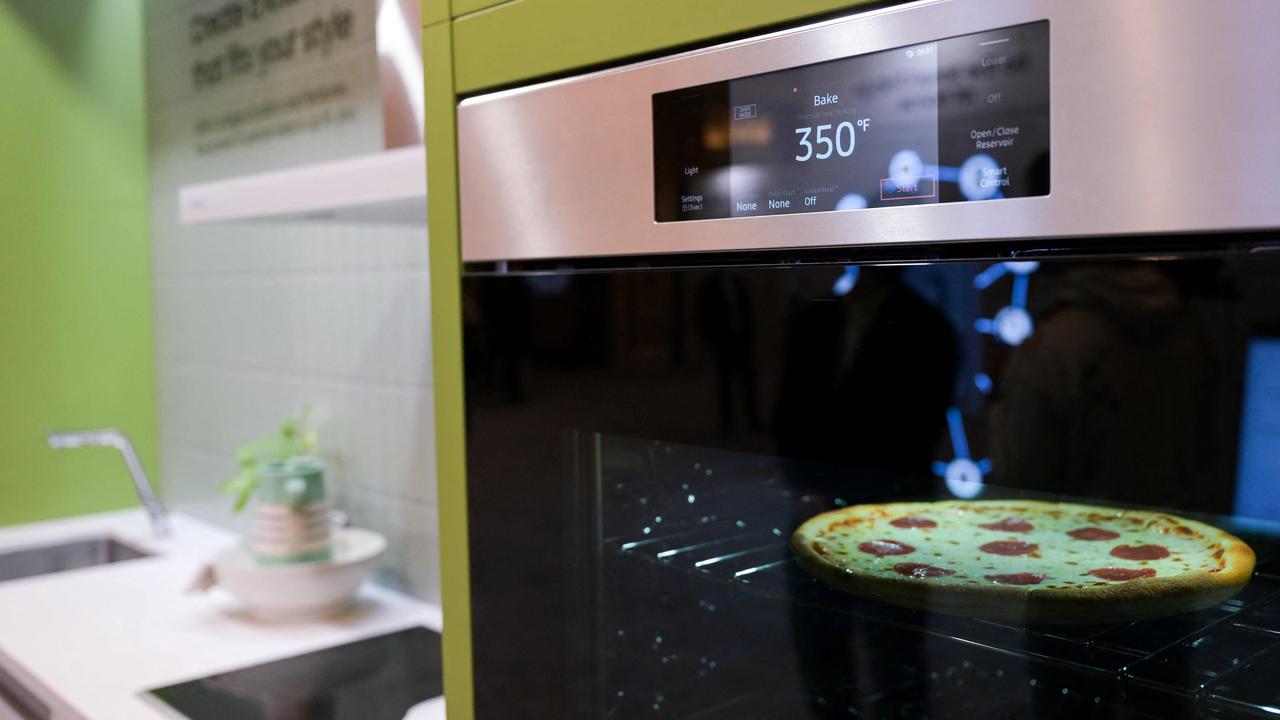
(642, 444)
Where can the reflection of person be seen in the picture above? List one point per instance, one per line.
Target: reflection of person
(867, 377)
(1116, 395)
(866, 381)
(726, 322)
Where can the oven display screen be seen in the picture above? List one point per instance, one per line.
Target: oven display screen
(961, 119)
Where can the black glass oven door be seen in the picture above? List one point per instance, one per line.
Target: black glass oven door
(643, 442)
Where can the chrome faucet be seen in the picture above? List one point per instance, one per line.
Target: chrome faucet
(116, 439)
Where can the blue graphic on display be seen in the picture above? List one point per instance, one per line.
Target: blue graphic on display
(987, 278)
(851, 201)
(979, 178)
(847, 281)
(1256, 495)
(984, 383)
(963, 476)
(905, 168)
(1012, 323)
(944, 174)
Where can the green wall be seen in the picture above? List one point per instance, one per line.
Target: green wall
(522, 40)
(75, 281)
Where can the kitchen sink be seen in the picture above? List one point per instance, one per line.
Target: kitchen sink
(71, 555)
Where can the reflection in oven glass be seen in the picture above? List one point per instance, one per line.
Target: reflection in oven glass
(642, 445)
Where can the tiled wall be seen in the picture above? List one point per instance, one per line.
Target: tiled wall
(331, 315)
(256, 319)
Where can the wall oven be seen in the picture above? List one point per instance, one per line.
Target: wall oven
(1020, 254)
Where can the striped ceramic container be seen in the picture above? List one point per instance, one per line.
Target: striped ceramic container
(291, 514)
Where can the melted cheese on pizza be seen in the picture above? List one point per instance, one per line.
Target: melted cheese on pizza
(1034, 545)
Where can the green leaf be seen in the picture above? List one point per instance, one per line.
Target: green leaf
(241, 485)
(294, 439)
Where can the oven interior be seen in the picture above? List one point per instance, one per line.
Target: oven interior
(694, 607)
(644, 438)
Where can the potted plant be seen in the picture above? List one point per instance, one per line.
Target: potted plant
(285, 479)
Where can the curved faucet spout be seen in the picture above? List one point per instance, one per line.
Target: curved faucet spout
(109, 437)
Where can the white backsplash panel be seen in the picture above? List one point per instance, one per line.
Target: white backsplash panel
(256, 319)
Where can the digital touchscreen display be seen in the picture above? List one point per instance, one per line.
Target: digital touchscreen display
(961, 119)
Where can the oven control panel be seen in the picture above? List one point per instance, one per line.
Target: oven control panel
(960, 119)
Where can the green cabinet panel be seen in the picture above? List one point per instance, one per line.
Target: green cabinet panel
(446, 358)
(462, 7)
(527, 39)
(75, 274)
(434, 11)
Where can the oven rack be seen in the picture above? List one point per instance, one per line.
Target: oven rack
(1223, 659)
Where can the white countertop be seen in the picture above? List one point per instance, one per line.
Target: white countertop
(91, 642)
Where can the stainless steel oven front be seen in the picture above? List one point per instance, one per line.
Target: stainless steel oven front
(1015, 253)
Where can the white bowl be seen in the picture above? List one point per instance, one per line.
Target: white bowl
(303, 590)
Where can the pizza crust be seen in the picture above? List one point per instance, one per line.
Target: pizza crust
(1102, 603)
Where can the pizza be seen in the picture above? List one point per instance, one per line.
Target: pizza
(1025, 560)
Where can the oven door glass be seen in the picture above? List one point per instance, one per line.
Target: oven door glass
(644, 442)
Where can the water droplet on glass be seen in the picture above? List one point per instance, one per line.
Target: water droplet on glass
(647, 530)
(691, 499)
(740, 524)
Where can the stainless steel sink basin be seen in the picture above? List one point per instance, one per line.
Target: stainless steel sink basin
(82, 553)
